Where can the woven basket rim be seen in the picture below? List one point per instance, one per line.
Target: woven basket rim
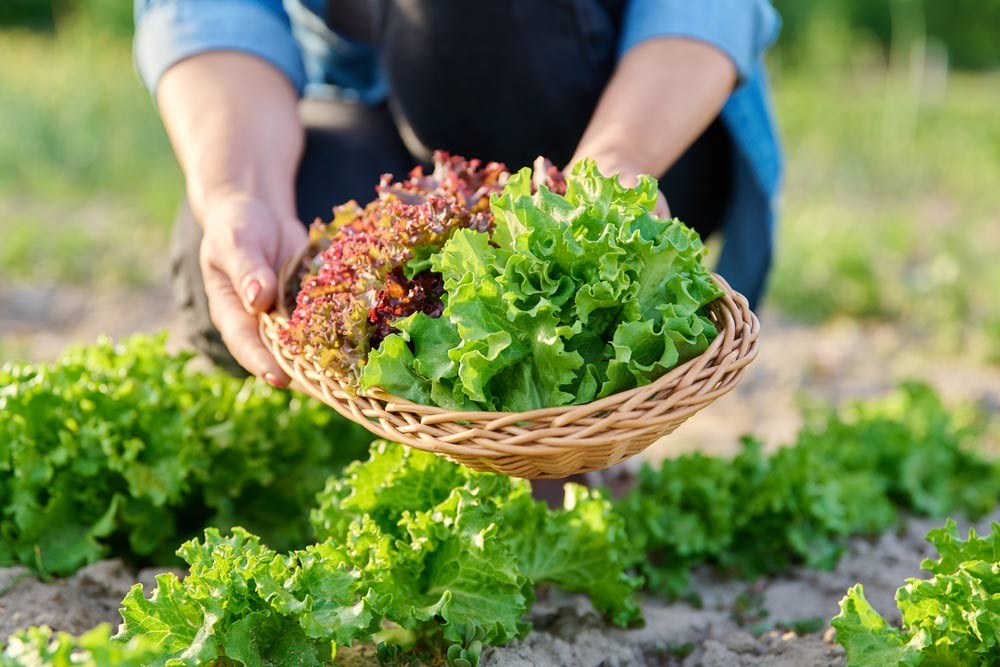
(270, 323)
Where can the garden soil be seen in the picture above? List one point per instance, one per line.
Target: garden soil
(777, 622)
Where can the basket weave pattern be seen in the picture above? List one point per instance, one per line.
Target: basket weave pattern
(550, 442)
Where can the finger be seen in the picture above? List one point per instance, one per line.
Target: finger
(661, 210)
(628, 179)
(250, 273)
(239, 329)
(294, 241)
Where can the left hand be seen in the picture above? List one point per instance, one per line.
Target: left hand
(628, 176)
(663, 94)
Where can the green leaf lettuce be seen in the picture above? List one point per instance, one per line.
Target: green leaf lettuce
(572, 298)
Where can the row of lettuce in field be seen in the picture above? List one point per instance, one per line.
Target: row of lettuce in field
(949, 619)
(472, 288)
(123, 449)
(409, 540)
(448, 557)
(848, 472)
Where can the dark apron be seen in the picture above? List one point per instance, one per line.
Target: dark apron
(504, 81)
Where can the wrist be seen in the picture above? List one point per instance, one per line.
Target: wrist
(614, 160)
(662, 96)
(225, 167)
(233, 121)
(227, 200)
(615, 150)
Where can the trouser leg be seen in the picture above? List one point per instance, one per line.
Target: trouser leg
(348, 146)
(189, 293)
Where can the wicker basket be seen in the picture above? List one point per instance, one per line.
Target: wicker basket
(550, 442)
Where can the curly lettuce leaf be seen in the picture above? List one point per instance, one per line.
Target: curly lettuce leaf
(326, 594)
(468, 580)
(868, 639)
(415, 363)
(572, 298)
(401, 496)
(582, 548)
(952, 618)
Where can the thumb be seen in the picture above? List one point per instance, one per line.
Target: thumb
(661, 209)
(253, 277)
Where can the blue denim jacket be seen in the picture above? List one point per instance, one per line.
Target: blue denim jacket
(293, 37)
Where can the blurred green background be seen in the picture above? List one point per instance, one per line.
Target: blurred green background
(888, 109)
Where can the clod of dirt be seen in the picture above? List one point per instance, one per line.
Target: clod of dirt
(76, 604)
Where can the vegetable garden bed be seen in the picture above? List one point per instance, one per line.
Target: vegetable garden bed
(729, 629)
(741, 544)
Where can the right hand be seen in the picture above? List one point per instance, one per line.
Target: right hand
(246, 242)
(233, 120)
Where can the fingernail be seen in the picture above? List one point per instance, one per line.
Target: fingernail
(272, 380)
(253, 291)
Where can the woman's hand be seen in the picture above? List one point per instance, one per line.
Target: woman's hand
(629, 174)
(246, 242)
(233, 120)
(663, 94)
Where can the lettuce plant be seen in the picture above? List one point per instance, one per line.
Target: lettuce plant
(352, 284)
(952, 618)
(450, 556)
(124, 450)
(848, 472)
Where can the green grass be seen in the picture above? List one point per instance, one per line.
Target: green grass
(78, 125)
(95, 244)
(85, 167)
(891, 209)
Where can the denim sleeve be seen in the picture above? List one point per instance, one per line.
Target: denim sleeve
(742, 29)
(167, 31)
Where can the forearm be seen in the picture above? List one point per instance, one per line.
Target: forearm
(663, 94)
(232, 119)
